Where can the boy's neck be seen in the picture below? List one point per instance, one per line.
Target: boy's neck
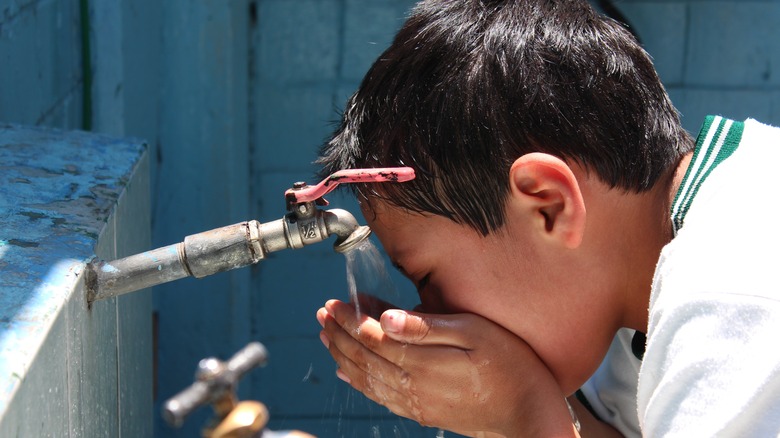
(658, 234)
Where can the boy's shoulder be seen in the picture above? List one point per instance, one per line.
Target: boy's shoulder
(728, 229)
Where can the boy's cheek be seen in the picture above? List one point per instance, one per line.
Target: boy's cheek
(432, 301)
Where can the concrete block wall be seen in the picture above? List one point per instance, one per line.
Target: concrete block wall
(308, 56)
(234, 99)
(201, 183)
(41, 71)
(715, 57)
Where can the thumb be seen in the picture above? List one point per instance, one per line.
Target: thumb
(426, 329)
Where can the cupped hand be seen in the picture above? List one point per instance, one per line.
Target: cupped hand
(458, 372)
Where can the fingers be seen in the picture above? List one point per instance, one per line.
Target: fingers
(364, 331)
(398, 402)
(464, 331)
(457, 330)
(365, 348)
(393, 361)
(371, 305)
(367, 372)
(361, 327)
(379, 379)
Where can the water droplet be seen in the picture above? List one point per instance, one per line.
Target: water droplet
(308, 373)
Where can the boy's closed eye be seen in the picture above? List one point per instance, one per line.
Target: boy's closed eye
(423, 282)
(419, 284)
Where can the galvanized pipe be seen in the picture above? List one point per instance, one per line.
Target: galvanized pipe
(222, 249)
(136, 272)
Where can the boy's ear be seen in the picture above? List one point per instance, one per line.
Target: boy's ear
(545, 187)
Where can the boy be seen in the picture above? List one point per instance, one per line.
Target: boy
(559, 214)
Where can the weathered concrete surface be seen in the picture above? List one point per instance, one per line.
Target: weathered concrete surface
(66, 369)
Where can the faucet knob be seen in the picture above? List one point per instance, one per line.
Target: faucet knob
(215, 384)
(303, 193)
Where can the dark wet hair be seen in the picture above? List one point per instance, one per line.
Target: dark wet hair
(469, 86)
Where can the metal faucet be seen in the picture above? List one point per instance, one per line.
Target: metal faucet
(245, 243)
(215, 384)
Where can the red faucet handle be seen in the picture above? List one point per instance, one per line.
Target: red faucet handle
(315, 193)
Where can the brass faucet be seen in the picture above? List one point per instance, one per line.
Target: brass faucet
(215, 384)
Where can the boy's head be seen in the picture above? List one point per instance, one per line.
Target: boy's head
(514, 115)
(469, 86)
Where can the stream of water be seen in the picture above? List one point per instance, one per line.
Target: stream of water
(370, 289)
(368, 281)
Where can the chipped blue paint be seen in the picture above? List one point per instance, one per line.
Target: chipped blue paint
(57, 189)
(109, 268)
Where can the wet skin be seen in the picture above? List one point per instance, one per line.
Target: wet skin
(473, 355)
(516, 320)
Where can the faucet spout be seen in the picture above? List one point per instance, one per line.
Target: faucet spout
(343, 224)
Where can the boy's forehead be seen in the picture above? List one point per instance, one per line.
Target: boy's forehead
(404, 232)
(390, 226)
(384, 213)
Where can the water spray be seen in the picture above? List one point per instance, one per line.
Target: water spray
(245, 243)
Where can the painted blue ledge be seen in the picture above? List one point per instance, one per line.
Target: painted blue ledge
(57, 190)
